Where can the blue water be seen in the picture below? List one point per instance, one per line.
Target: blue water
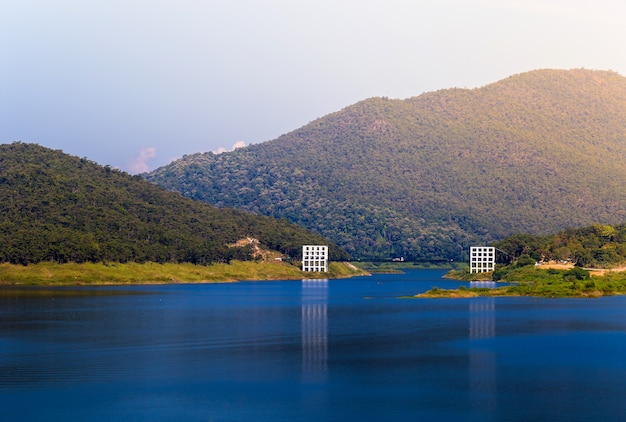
(338, 350)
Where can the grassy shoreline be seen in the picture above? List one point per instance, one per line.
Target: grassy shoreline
(52, 274)
(537, 282)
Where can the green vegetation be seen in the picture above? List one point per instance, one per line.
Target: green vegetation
(398, 267)
(595, 246)
(62, 209)
(533, 281)
(428, 176)
(49, 273)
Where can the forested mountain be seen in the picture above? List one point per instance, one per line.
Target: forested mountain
(427, 176)
(55, 207)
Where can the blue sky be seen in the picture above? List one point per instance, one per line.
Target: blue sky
(137, 83)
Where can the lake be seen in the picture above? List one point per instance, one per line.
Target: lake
(309, 350)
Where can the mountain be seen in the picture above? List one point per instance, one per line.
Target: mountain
(427, 176)
(56, 207)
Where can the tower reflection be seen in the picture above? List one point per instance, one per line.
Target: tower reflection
(314, 330)
(482, 321)
(482, 360)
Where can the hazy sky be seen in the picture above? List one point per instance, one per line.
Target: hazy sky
(137, 83)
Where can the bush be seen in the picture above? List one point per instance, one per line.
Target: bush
(525, 260)
(498, 274)
(576, 273)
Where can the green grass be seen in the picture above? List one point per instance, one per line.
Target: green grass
(531, 281)
(400, 267)
(151, 273)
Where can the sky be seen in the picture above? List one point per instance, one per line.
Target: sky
(135, 84)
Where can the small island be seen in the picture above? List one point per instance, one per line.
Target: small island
(540, 282)
(584, 262)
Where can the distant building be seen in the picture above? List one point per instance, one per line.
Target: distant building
(315, 258)
(482, 259)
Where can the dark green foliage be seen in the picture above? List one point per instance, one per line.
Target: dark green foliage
(596, 246)
(576, 274)
(533, 281)
(428, 176)
(522, 244)
(498, 274)
(525, 260)
(54, 207)
(562, 283)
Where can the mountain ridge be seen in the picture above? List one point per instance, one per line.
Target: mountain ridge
(426, 176)
(60, 208)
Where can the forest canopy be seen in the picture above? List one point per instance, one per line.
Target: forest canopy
(56, 207)
(595, 246)
(426, 177)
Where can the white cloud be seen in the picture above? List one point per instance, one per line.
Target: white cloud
(237, 145)
(139, 164)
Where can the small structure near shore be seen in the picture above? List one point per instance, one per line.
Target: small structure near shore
(482, 259)
(315, 258)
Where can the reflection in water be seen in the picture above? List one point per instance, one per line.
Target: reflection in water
(314, 330)
(484, 283)
(482, 321)
(242, 351)
(482, 360)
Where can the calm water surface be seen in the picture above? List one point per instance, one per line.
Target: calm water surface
(340, 350)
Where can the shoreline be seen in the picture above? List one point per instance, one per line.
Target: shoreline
(538, 281)
(112, 274)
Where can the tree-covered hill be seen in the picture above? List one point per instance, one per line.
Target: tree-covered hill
(595, 246)
(427, 176)
(56, 207)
